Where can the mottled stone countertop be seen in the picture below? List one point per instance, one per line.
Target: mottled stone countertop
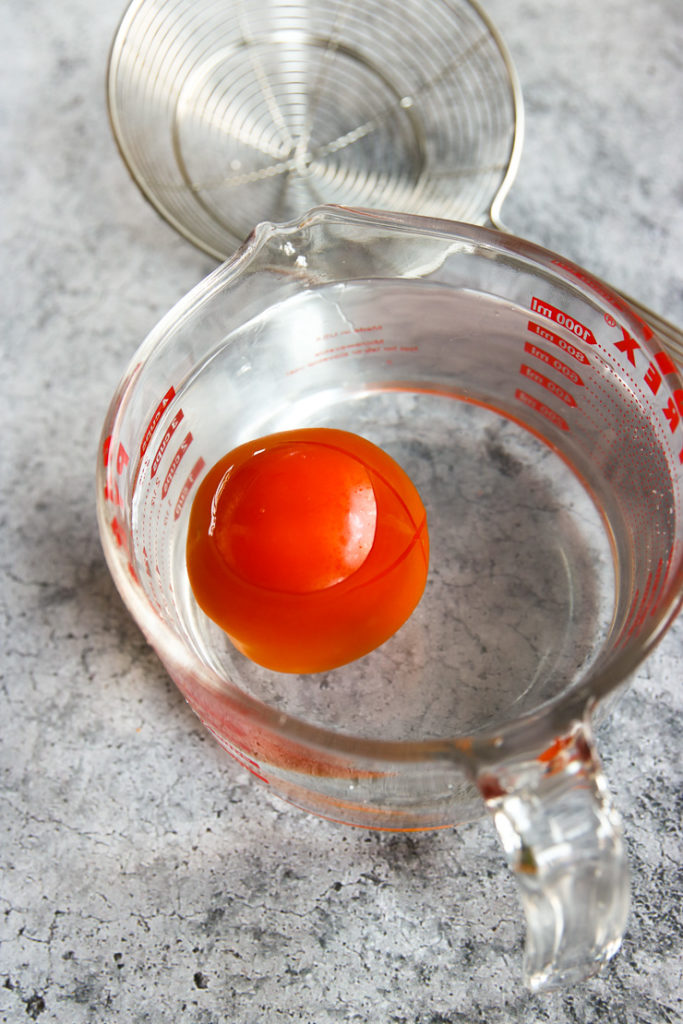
(145, 876)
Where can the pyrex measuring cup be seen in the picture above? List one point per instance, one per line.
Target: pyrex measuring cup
(542, 425)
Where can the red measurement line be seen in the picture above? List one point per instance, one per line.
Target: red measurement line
(154, 421)
(552, 361)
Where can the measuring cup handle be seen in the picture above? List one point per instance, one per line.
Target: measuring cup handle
(563, 840)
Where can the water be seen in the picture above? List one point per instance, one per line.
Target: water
(521, 589)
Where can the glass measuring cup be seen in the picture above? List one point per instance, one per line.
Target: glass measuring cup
(542, 424)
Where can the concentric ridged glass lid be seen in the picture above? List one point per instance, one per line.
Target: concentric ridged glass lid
(232, 112)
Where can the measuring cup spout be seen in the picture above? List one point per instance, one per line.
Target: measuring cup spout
(563, 840)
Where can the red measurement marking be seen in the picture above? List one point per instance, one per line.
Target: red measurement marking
(374, 328)
(562, 343)
(548, 384)
(661, 365)
(673, 410)
(165, 440)
(667, 569)
(112, 492)
(628, 345)
(119, 533)
(365, 347)
(553, 362)
(564, 751)
(628, 628)
(145, 557)
(174, 465)
(644, 606)
(122, 459)
(656, 583)
(558, 316)
(600, 289)
(156, 416)
(544, 410)
(111, 488)
(649, 603)
(187, 486)
(555, 748)
(348, 331)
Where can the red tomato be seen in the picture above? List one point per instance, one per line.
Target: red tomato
(308, 547)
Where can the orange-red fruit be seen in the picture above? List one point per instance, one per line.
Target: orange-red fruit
(308, 547)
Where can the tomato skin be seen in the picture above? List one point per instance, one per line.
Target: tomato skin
(308, 610)
(295, 517)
